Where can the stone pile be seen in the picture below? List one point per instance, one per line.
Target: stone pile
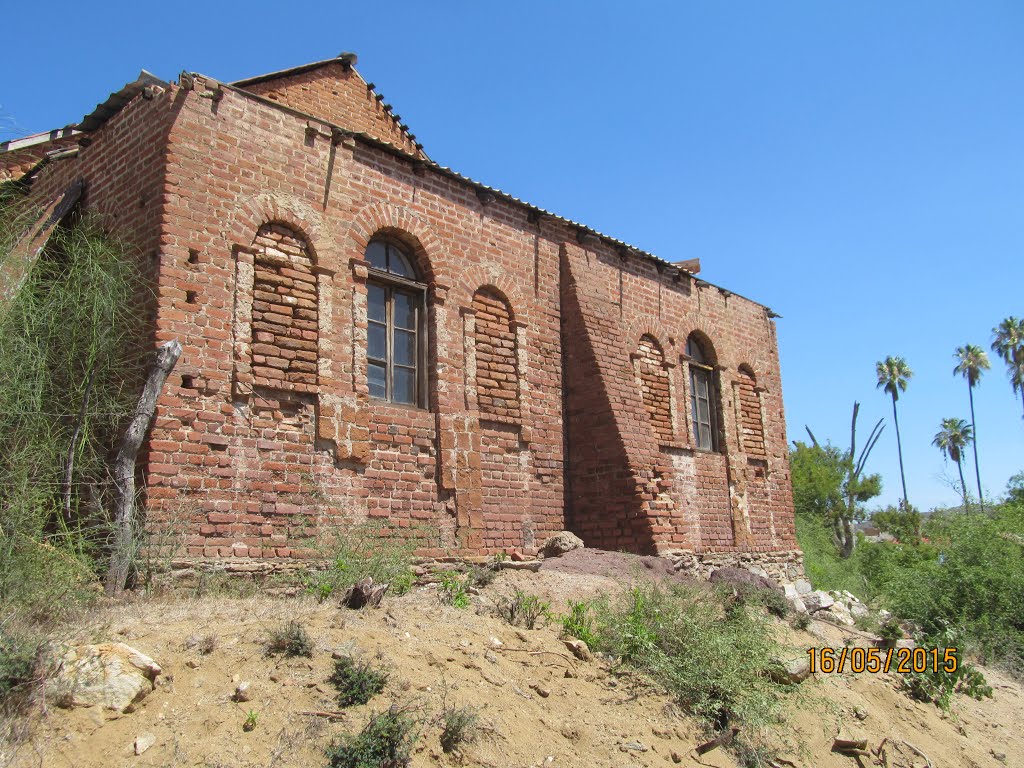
(839, 607)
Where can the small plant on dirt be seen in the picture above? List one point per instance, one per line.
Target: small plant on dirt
(461, 726)
(19, 660)
(801, 621)
(481, 575)
(579, 622)
(251, 719)
(363, 552)
(290, 639)
(939, 685)
(204, 645)
(890, 631)
(357, 681)
(385, 742)
(523, 610)
(453, 590)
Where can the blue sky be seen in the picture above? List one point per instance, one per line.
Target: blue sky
(859, 167)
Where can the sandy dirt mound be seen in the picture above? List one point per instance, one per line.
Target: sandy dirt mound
(539, 706)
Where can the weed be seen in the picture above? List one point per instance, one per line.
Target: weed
(19, 661)
(482, 575)
(453, 590)
(523, 610)
(385, 742)
(290, 639)
(938, 685)
(250, 720)
(461, 726)
(579, 622)
(801, 621)
(357, 681)
(363, 552)
(205, 645)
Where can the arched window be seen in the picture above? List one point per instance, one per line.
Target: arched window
(703, 394)
(396, 305)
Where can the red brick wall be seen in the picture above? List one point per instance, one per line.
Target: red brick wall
(339, 95)
(250, 213)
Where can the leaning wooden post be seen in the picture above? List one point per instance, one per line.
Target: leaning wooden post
(124, 468)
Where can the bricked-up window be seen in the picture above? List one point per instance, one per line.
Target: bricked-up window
(396, 307)
(650, 369)
(751, 426)
(284, 311)
(703, 395)
(497, 378)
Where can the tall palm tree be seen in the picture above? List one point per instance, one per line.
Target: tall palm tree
(951, 440)
(1008, 343)
(971, 361)
(893, 374)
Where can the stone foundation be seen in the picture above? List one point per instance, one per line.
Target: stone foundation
(784, 566)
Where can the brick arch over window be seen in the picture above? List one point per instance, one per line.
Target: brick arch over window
(285, 317)
(401, 224)
(649, 362)
(497, 367)
(751, 425)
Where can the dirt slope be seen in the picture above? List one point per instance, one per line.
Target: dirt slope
(444, 656)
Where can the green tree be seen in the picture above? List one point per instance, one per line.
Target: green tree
(1008, 343)
(1015, 489)
(951, 439)
(971, 361)
(893, 374)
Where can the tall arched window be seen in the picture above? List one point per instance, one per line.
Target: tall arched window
(703, 394)
(396, 306)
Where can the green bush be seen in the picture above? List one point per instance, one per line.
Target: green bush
(357, 681)
(716, 663)
(290, 639)
(363, 551)
(461, 726)
(579, 622)
(19, 662)
(939, 685)
(452, 590)
(523, 610)
(385, 742)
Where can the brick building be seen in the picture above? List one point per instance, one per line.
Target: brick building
(370, 335)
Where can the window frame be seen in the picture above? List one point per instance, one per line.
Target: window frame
(393, 284)
(700, 371)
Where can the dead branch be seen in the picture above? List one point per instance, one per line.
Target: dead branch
(928, 762)
(719, 741)
(332, 716)
(124, 467)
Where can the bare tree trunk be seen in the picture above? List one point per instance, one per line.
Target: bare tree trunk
(899, 449)
(974, 445)
(124, 467)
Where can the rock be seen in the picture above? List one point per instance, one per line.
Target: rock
(192, 664)
(541, 691)
(859, 610)
(364, 593)
(838, 613)
(803, 586)
(110, 675)
(790, 671)
(676, 757)
(860, 713)
(143, 742)
(793, 597)
(560, 543)
(633, 746)
(739, 577)
(818, 600)
(579, 649)
(495, 642)
(242, 692)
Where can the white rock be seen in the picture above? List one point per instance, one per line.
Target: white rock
(818, 600)
(111, 675)
(560, 543)
(803, 586)
(143, 742)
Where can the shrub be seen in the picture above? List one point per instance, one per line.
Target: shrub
(453, 590)
(363, 552)
(385, 742)
(579, 622)
(357, 681)
(524, 610)
(290, 639)
(19, 661)
(715, 662)
(939, 685)
(461, 726)
(482, 575)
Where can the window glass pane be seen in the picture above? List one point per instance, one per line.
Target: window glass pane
(377, 347)
(704, 437)
(377, 378)
(405, 348)
(398, 264)
(694, 350)
(376, 254)
(405, 385)
(405, 310)
(376, 297)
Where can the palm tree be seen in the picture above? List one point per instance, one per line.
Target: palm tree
(893, 375)
(951, 440)
(1008, 343)
(971, 361)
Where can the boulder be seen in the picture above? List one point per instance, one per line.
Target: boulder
(364, 593)
(560, 543)
(818, 600)
(803, 586)
(110, 675)
(790, 671)
(738, 577)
